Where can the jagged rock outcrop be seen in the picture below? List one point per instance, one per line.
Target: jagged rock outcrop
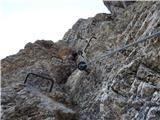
(32, 100)
(116, 7)
(124, 86)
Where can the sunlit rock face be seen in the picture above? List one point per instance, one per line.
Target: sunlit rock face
(124, 86)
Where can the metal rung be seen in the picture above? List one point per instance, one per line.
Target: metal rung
(50, 79)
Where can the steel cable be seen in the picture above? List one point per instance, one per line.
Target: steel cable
(157, 34)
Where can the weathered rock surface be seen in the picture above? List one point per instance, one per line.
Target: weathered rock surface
(116, 7)
(125, 86)
(32, 100)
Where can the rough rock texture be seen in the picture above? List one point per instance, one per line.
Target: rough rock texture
(32, 101)
(117, 7)
(125, 86)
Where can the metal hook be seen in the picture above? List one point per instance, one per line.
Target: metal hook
(93, 37)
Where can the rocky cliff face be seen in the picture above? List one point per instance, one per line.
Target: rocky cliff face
(124, 86)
